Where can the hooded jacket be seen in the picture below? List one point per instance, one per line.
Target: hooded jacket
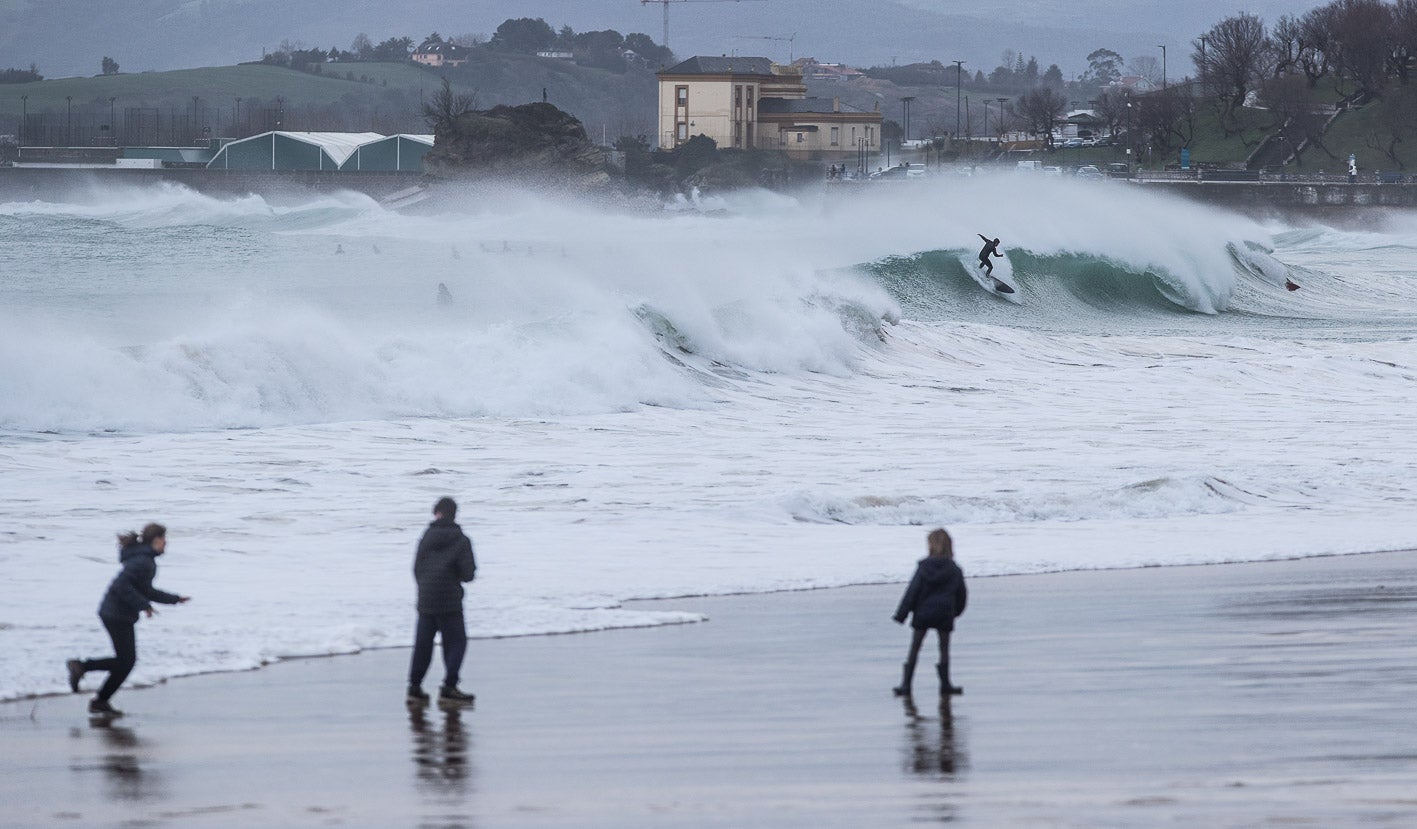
(132, 590)
(444, 561)
(936, 595)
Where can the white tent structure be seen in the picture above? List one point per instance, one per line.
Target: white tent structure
(402, 153)
(291, 151)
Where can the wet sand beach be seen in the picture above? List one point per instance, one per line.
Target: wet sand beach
(1239, 695)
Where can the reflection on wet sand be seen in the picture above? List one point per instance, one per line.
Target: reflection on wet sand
(934, 755)
(122, 763)
(930, 754)
(440, 754)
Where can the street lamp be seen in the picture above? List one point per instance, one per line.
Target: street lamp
(24, 119)
(986, 123)
(1000, 127)
(968, 131)
(1162, 47)
(905, 107)
(236, 119)
(112, 122)
(959, 75)
(69, 122)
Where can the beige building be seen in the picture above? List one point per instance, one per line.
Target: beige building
(753, 103)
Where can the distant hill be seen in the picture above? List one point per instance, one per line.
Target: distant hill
(70, 37)
(159, 107)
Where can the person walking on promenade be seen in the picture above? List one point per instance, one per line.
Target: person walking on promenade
(130, 594)
(443, 563)
(936, 596)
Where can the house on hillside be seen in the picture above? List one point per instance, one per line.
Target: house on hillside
(440, 53)
(753, 103)
(813, 70)
(1135, 84)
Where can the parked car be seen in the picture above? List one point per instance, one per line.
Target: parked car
(1072, 143)
(1089, 171)
(1052, 170)
(1119, 169)
(1031, 166)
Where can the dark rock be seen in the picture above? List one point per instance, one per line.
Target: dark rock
(532, 142)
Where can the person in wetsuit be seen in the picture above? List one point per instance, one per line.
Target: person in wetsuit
(991, 246)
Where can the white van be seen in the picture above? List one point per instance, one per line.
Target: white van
(1035, 166)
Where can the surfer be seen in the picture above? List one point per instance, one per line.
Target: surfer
(991, 246)
(445, 297)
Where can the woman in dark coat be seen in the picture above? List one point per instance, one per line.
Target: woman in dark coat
(936, 596)
(131, 593)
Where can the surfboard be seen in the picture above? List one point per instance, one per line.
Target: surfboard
(1000, 284)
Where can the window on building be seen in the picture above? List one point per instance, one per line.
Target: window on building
(801, 137)
(750, 101)
(836, 136)
(737, 97)
(683, 131)
(681, 95)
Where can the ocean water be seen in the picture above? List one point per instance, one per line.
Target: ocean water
(748, 393)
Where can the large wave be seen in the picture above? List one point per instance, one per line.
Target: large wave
(161, 308)
(171, 310)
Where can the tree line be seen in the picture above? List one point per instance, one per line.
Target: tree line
(605, 49)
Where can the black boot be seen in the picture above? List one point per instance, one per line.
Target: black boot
(946, 689)
(906, 676)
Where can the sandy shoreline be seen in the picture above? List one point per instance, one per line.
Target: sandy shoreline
(1230, 695)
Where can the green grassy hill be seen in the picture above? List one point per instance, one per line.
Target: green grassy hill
(380, 97)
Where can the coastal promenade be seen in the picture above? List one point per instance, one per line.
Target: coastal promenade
(1273, 694)
(1316, 195)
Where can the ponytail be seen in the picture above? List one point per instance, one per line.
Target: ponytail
(149, 534)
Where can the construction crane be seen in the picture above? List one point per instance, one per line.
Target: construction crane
(790, 41)
(665, 4)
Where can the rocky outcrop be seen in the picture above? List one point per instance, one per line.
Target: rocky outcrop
(535, 143)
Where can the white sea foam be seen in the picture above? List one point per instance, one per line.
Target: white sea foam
(751, 393)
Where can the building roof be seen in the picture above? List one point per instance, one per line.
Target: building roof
(339, 146)
(802, 105)
(436, 46)
(422, 139)
(705, 65)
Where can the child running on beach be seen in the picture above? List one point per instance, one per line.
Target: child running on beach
(936, 596)
(130, 593)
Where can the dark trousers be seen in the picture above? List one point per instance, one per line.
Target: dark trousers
(987, 266)
(450, 627)
(917, 638)
(125, 656)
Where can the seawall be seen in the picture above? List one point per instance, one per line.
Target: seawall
(1285, 197)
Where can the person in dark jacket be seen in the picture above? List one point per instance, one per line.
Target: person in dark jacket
(130, 594)
(443, 563)
(991, 247)
(936, 596)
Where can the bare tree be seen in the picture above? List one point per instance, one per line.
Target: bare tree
(1364, 31)
(1040, 108)
(442, 110)
(1404, 14)
(1111, 107)
(1394, 123)
(1233, 56)
(1146, 66)
(1317, 47)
